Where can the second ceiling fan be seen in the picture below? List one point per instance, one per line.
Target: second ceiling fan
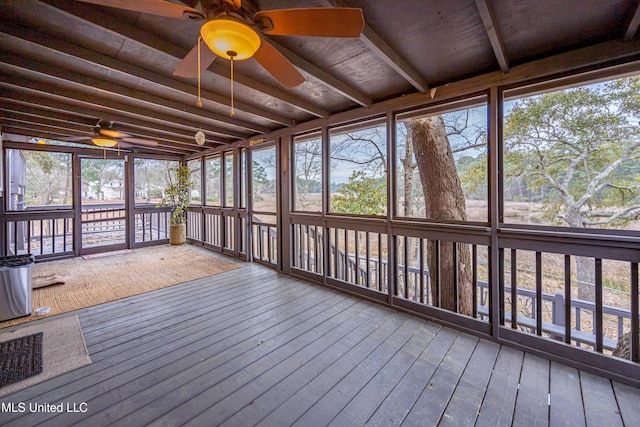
(236, 30)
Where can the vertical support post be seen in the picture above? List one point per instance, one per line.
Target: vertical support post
(77, 203)
(392, 265)
(284, 149)
(129, 200)
(495, 159)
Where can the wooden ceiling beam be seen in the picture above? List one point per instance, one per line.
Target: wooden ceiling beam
(62, 131)
(54, 115)
(106, 22)
(48, 133)
(13, 83)
(95, 87)
(385, 52)
(634, 23)
(25, 119)
(184, 142)
(43, 105)
(74, 52)
(491, 27)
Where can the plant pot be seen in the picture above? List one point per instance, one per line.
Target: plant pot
(177, 234)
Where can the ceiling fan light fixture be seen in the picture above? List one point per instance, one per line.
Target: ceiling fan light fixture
(104, 142)
(230, 39)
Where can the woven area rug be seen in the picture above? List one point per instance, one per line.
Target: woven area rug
(90, 282)
(20, 358)
(63, 349)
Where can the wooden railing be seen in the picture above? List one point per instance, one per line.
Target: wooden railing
(586, 324)
(46, 233)
(220, 229)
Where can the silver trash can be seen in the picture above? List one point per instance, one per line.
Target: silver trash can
(15, 286)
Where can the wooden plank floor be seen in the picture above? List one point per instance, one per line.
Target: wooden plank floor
(252, 347)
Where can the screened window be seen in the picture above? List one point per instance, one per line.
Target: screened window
(571, 157)
(195, 194)
(212, 166)
(307, 158)
(263, 173)
(38, 180)
(243, 177)
(150, 177)
(441, 164)
(358, 162)
(228, 179)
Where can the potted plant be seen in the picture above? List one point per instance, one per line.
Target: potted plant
(176, 196)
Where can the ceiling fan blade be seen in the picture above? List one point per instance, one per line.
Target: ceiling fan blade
(112, 133)
(154, 7)
(189, 65)
(314, 21)
(277, 65)
(140, 141)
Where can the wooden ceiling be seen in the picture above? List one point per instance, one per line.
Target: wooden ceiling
(67, 65)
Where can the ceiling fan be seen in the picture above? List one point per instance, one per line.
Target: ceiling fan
(236, 30)
(106, 136)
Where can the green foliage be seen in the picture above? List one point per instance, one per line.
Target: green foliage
(48, 178)
(176, 193)
(473, 176)
(576, 150)
(361, 195)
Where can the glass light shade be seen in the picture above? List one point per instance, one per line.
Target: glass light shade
(225, 37)
(104, 142)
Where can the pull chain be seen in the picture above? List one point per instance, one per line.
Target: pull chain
(199, 103)
(232, 112)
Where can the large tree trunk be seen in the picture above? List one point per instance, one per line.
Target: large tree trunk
(444, 199)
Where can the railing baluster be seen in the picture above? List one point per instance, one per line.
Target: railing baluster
(379, 265)
(367, 250)
(53, 236)
(599, 325)
(41, 237)
(308, 243)
(436, 286)
(454, 254)
(474, 279)
(421, 266)
(567, 299)
(538, 304)
(635, 326)
(514, 289)
(406, 267)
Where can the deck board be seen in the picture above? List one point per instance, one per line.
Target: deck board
(500, 395)
(254, 347)
(600, 406)
(567, 408)
(532, 408)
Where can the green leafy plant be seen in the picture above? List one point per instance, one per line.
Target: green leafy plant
(176, 194)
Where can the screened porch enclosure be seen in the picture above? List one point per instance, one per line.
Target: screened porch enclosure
(453, 162)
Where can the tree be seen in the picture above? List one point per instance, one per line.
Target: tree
(575, 146)
(361, 195)
(444, 199)
(48, 177)
(308, 170)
